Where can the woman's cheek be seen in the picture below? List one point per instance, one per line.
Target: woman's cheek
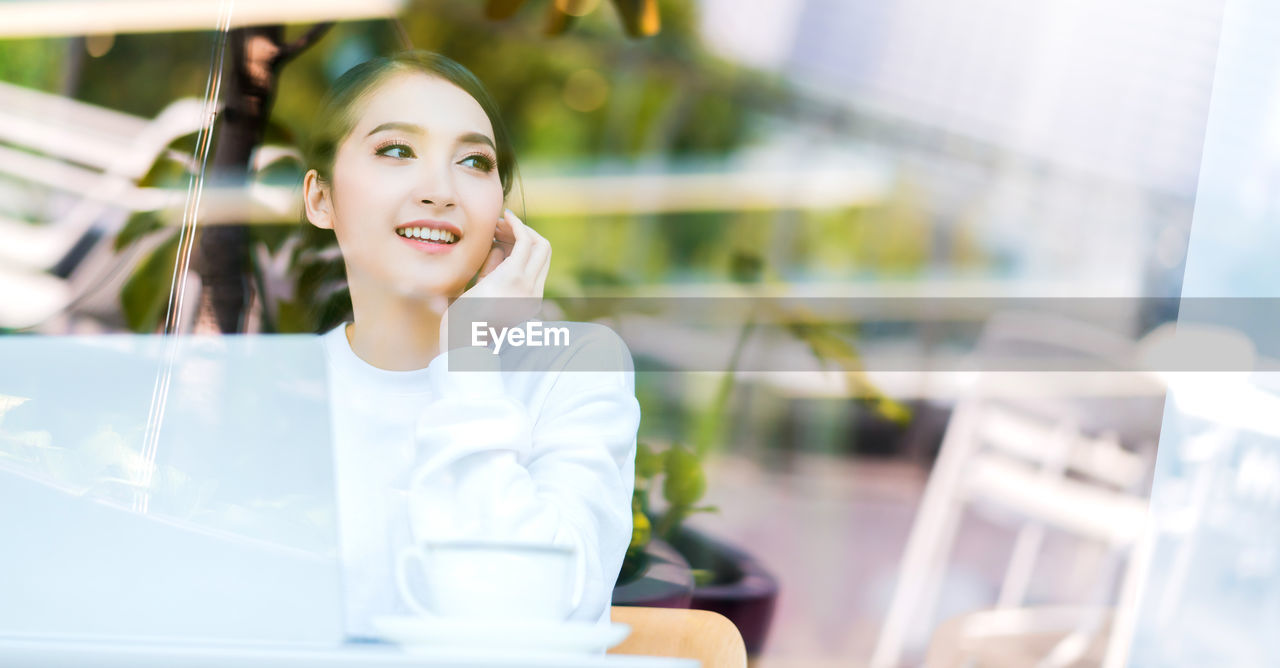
(487, 200)
(484, 218)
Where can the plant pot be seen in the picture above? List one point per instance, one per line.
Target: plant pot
(665, 582)
(740, 589)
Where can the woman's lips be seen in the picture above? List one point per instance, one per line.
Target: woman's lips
(430, 236)
(427, 246)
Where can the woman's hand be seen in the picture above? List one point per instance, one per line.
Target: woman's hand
(508, 289)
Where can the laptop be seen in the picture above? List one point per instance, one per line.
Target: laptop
(167, 490)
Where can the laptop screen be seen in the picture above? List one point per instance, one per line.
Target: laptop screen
(167, 489)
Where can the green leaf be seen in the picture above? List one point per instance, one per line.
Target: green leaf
(145, 297)
(139, 225)
(274, 236)
(283, 171)
(165, 172)
(685, 481)
(710, 426)
(648, 462)
(893, 410)
(186, 143)
(293, 318)
(702, 577)
(745, 267)
(641, 531)
(278, 133)
(634, 565)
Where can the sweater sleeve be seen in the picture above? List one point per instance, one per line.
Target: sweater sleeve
(489, 468)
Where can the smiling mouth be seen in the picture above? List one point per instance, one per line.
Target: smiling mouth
(428, 234)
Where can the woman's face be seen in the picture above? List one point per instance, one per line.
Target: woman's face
(420, 161)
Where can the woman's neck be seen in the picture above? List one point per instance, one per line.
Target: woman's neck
(395, 334)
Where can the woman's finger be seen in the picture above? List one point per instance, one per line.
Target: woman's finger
(539, 257)
(491, 261)
(503, 233)
(520, 251)
(541, 279)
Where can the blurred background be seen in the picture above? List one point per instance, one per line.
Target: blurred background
(959, 232)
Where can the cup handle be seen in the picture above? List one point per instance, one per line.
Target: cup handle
(407, 556)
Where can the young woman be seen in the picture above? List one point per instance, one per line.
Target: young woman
(410, 166)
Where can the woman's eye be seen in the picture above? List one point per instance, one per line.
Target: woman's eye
(478, 161)
(395, 151)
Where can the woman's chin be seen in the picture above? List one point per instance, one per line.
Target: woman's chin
(431, 292)
(427, 285)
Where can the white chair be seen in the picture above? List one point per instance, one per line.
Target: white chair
(78, 165)
(94, 155)
(83, 164)
(1014, 638)
(1219, 469)
(1030, 460)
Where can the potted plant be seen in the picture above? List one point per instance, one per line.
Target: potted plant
(725, 578)
(670, 565)
(655, 574)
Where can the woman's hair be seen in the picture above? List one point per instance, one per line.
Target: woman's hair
(336, 117)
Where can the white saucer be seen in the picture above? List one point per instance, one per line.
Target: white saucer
(425, 634)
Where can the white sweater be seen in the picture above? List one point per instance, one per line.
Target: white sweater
(542, 450)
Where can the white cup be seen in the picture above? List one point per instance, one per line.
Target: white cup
(483, 579)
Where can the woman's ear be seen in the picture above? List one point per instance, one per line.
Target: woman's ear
(318, 200)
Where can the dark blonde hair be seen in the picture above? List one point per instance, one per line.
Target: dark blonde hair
(336, 117)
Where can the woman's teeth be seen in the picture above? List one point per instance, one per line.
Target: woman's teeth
(427, 234)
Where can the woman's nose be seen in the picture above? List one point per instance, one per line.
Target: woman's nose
(437, 198)
(435, 188)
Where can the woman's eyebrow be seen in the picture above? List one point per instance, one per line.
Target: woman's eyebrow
(396, 125)
(476, 138)
(465, 138)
